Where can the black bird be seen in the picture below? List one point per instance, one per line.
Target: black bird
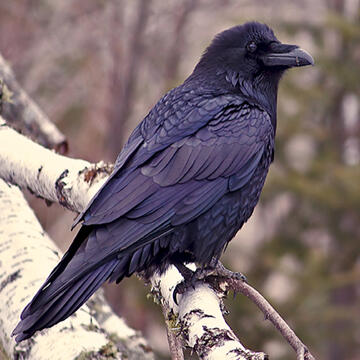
(187, 180)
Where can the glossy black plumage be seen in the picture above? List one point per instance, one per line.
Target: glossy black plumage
(186, 181)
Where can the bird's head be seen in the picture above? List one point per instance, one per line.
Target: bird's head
(250, 50)
(250, 59)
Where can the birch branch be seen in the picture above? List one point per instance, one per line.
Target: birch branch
(25, 115)
(26, 255)
(199, 319)
(56, 178)
(41, 171)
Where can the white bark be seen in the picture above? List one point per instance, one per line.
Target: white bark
(71, 182)
(27, 255)
(200, 319)
(199, 314)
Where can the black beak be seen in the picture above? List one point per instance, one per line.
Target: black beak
(291, 58)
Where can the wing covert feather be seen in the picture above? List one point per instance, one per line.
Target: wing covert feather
(172, 161)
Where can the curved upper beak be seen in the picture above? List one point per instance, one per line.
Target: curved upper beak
(294, 57)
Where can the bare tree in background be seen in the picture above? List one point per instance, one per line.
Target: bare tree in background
(123, 78)
(179, 40)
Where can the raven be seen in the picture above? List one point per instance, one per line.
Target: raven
(186, 181)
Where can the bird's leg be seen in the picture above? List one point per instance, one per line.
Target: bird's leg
(213, 273)
(185, 272)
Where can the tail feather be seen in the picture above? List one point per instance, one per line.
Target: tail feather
(88, 263)
(63, 305)
(56, 272)
(47, 314)
(94, 282)
(66, 304)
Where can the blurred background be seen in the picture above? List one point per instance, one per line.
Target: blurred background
(97, 67)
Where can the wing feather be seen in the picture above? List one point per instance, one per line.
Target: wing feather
(222, 149)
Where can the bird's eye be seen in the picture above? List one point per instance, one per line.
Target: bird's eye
(251, 47)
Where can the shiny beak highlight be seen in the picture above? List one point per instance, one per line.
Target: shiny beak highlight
(295, 57)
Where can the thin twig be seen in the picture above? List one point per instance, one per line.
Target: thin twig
(271, 314)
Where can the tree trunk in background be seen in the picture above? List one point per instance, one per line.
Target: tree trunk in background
(176, 50)
(123, 83)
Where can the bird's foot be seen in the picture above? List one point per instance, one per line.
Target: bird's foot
(189, 281)
(213, 274)
(222, 271)
(218, 275)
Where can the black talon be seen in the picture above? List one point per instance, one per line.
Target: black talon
(179, 289)
(174, 296)
(175, 292)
